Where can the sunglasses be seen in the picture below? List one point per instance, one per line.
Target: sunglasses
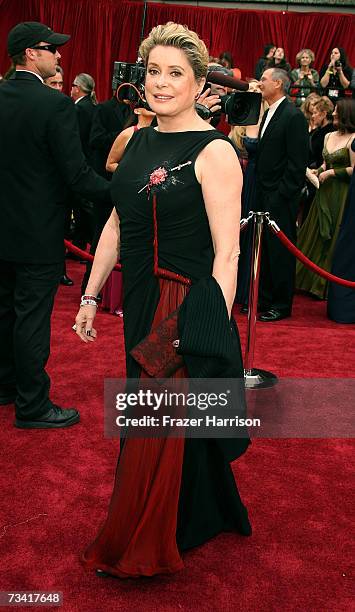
(50, 48)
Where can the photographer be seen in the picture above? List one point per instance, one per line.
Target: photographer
(336, 76)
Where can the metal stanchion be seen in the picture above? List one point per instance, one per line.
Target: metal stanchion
(255, 378)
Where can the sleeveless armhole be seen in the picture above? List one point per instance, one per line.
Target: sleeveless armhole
(135, 134)
(215, 135)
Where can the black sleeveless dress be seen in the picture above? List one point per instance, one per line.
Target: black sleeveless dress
(169, 494)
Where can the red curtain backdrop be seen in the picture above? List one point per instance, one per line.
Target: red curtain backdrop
(107, 30)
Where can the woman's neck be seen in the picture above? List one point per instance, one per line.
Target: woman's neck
(183, 122)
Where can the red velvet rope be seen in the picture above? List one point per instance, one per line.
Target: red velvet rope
(307, 262)
(83, 254)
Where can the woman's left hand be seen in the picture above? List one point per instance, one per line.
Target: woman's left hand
(325, 175)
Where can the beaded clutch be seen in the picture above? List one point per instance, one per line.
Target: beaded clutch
(157, 352)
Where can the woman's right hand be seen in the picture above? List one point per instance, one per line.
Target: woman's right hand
(83, 323)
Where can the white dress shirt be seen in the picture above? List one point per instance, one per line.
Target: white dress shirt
(270, 114)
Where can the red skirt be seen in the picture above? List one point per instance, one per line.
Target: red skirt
(139, 534)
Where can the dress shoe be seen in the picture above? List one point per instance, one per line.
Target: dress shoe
(53, 419)
(273, 315)
(65, 280)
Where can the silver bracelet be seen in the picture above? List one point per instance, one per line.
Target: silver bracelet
(88, 302)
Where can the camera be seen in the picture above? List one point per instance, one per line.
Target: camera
(130, 74)
(337, 64)
(240, 107)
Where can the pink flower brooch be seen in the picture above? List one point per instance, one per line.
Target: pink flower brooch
(160, 175)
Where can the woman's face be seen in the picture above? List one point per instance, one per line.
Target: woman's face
(170, 85)
(335, 54)
(305, 60)
(318, 117)
(311, 106)
(335, 117)
(279, 53)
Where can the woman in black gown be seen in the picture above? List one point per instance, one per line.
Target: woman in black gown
(177, 207)
(341, 300)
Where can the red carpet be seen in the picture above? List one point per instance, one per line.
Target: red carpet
(55, 487)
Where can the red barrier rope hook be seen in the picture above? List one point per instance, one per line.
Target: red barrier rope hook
(303, 259)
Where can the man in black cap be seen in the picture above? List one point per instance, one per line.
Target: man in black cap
(42, 157)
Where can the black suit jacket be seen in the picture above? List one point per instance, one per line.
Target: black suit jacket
(109, 120)
(85, 109)
(41, 158)
(282, 159)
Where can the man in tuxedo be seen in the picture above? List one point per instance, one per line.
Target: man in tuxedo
(83, 94)
(280, 173)
(42, 157)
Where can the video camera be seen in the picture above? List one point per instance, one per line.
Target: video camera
(240, 107)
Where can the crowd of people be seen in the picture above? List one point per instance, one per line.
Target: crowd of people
(334, 79)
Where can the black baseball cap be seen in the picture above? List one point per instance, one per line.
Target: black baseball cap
(29, 33)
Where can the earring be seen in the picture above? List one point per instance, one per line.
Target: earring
(197, 96)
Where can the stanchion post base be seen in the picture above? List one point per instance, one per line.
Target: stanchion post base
(259, 379)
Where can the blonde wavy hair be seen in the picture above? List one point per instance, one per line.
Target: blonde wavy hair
(310, 54)
(324, 105)
(176, 35)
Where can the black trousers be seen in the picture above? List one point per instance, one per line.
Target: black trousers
(83, 219)
(26, 301)
(278, 266)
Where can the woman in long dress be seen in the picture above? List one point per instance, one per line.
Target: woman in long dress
(177, 207)
(319, 232)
